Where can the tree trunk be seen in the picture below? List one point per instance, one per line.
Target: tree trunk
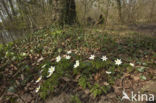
(107, 12)
(119, 9)
(64, 11)
(152, 11)
(70, 12)
(3, 21)
(6, 9)
(12, 8)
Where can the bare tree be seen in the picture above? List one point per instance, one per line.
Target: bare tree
(153, 4)
(12, 7)
(119, 9)
(64, 11)
(6, 9)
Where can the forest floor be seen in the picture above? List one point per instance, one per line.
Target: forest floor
(24, 65)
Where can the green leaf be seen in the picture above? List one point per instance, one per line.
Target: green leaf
(141, 69)
(1, 47)
(83, 82)
(143, 77)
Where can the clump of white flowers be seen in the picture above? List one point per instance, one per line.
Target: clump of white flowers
(39, 79)
(37, 89)
(50, 71)
(104, 58)
(92, 57)
(118, 62)
(58, 58)
(67, 57)
(131, 64)
(77, 63)
(108, 72)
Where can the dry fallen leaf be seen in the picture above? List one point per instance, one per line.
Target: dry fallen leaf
(40, 59)
(106, 83)
(66, 79)
(135, 78)
(22, 76)
(87, 91)
(97, 76)
(77, 77)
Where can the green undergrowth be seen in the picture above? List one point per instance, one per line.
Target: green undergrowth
(87, 70)
(75, 99)
(23, 57)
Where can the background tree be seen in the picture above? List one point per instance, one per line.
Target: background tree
(64, 11)
(12, 7)
(37, 14)
(6, 8)
(119, 9)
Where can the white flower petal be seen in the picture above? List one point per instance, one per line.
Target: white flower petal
(39, 79)
(49, 74)
(69, 52)
(107, 72)
(67, 57)
(118, 62)
(77, 63)
(104, 58)
(51, 69)
(43, 66)
(131, 64)
(58, 58)
(23, 54)
(37, 89)
(92, 57)
(75, 66)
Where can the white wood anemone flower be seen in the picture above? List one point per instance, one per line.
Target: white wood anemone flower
(37, 89)
(118, 62)
(92, 57)
(107, 72)
(69, 52)
(58, 58)
(131, 64)
(67, 57)
(77, 63)
(39, 79)
(104, 58)
(50, 71)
